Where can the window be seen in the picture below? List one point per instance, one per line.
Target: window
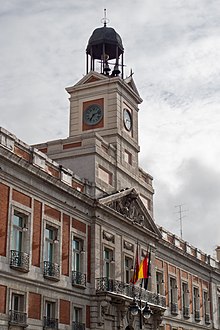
(128, 157)
(51, 253)
(17, 313)
(49, 319)
(108, 261)
(76, 256)
(185, 299)
(173, 296)
(159, 283)
(206, 307)
(77, 319)
(105, 175)
(50, 241)
(19, 259)
(17, 302)
(196, 304)
(128, 268)
(78, 262)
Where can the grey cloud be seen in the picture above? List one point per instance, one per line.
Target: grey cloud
(199, 191)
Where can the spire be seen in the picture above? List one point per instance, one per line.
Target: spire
(105, 20)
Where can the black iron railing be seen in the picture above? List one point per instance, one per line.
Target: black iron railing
(78, 278)
(17, 318)
(186, 311)
(78, 326)
(19, 260)
(105, 284)
(51, 270)
(174, 308)
(197, 316)
(50, 323)
(207, 318)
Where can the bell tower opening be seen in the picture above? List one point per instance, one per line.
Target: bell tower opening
(105, 51)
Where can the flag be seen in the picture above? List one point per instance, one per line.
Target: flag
(136, 268)
(148, 272)
(143, 269)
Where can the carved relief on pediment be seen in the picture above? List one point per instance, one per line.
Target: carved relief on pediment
(128, 207)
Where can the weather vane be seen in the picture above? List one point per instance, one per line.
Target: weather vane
(105, 20)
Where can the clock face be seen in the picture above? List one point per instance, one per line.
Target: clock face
(93, 114)
(127, 119)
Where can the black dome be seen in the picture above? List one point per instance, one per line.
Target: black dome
(107, 36)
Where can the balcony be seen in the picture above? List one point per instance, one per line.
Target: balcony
(78, 279)
(17, 318)
(207, 318)
(174, 308)
(51, 271)
(78, 326)
(50, 323)
(186, 312)
(105, 285)
(19, 261)
(197, 316)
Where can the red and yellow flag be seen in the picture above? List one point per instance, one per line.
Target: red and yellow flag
(143, 269)
(136, 268)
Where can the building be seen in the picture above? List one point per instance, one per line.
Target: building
(73, 210)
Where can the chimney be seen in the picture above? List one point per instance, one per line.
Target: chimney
(218, 253)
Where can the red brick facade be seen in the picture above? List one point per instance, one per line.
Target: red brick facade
(21, 198)
(65, 245)
(36, 243)
(64, 311)
(3, 292)
(4, 204)
(34, 307)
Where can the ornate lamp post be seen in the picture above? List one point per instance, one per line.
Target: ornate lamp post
(136, 309)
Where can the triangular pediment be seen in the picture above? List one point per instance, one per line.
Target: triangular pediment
(130, 81)
(129, 204)
(92, 76)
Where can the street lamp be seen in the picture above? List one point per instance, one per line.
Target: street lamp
(135, 309)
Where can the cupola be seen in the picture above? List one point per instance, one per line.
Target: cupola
(104, 52)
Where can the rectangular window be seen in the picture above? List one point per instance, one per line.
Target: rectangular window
(108, 260)
(50, 310)
(77, 315)
(128, 157)
(51, 253)
(17, 302)
(19, 226)
(173, 296)
(206, 306)
(128, 268)
(76, 254)
(17, 315)
(105, 175)
(185, 299)
(50, 313)
(196, 304)
(159, 282)
(20, 240)
(50, 236)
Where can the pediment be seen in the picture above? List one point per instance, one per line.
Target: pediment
(92, 76)
(130, 81)
(128, 204)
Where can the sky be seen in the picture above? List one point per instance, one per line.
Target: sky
(173, 48)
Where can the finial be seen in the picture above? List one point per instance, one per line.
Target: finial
(105, 20)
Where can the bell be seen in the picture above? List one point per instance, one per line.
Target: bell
(106, 68)
(116, 70)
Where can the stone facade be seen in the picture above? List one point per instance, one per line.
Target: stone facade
(76, 214)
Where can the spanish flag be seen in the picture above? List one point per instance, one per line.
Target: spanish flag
(136, 268)
(143, 269)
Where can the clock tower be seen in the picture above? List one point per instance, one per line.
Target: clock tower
(102, 146)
